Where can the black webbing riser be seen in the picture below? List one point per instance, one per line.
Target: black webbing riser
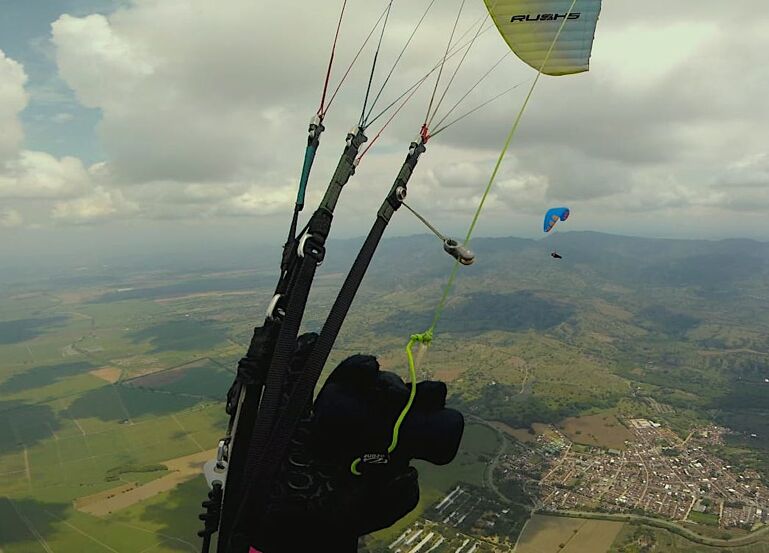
(233, 493)
(281, 357)
(298, 291)
(237, 468)
(249, 408)
(302, 393)
(246, 407)
(303, 390)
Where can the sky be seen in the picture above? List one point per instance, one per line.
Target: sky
(161, 124)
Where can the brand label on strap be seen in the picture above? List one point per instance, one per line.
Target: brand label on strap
(375, 458)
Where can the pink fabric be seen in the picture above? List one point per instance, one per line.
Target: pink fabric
(252, 550)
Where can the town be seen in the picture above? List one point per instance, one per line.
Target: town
(656, 474)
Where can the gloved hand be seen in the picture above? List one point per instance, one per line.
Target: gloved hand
(356, 410)
(354, 415)
(317, 498)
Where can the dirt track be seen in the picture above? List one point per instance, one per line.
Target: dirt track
(109, 501)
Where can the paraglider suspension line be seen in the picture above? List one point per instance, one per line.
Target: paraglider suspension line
(354, 59)
(376, 137)
(373, 64)
(443, 63)
(321, 112)
(453, 53)
(397, 60)
(492, 178)
(456, 70)
(470, 112)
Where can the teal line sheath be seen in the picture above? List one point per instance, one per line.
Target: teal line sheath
(309, 158)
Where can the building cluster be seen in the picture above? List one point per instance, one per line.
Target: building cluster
(464, 521)
(657, 473)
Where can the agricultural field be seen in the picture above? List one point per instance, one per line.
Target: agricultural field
(637, 539)
(76, 428)
(109, 379)
(602, 430)
(547, 534)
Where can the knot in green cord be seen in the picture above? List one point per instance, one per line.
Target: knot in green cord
(424, 338)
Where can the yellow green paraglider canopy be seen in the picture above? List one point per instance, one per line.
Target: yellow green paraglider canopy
(529, 27)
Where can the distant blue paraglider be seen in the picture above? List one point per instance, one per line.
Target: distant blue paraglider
(553, 215)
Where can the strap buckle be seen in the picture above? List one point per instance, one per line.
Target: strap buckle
(273, 310)
(308, 245)
(223, 453)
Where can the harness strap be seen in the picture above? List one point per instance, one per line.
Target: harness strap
(284, 428)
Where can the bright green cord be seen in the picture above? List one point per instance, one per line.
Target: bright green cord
(508, 141)
(427, 336)
(423, 338)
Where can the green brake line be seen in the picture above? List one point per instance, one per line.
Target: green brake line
(426, 337)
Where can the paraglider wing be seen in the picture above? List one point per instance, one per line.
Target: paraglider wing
(554, 215)
(530, 26)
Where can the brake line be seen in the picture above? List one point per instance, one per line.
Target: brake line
(425, 338)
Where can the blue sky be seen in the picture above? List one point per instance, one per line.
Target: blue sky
(25, 37)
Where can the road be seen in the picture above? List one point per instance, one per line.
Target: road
(488, 474)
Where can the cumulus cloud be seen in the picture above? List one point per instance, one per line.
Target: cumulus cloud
(750, 172)
(203, 108)
(13, 99)
(38, 175)
(99, 205)
(10, 218)
(183, 87)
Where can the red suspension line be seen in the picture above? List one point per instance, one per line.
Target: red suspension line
(321, 111)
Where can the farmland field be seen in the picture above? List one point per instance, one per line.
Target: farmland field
(547, 534)
(602, 430)
(105, 380)
(633, 537)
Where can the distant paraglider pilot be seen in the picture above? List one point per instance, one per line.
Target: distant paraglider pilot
(552, 216)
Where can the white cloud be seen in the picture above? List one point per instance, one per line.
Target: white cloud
(100, 205)
(10, 218)
(460, 174)
(13, 99)
(40, 175)
(204, 106)
(749, 172)
(180, 88)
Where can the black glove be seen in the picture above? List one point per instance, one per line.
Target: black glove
(357, 408)
(317, 501)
